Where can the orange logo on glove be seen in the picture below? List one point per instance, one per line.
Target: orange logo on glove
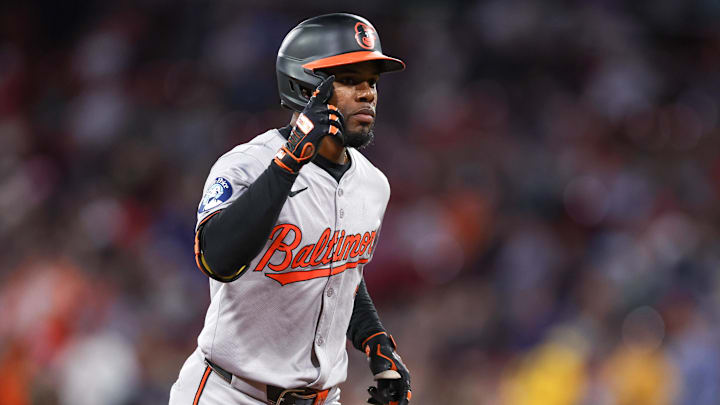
(304, 124)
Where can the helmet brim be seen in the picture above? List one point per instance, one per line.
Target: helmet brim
(387, 63)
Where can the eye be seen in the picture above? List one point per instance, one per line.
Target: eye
(347, 80)
(354, 81)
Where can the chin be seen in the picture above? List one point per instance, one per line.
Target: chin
(359, 139)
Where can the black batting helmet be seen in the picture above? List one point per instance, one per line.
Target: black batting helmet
(322, 42)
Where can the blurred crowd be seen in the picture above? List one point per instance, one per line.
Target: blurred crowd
(552, 236)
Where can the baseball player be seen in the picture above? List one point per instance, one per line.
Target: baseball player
(285, 227)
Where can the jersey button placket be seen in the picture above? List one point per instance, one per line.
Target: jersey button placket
(341, 212)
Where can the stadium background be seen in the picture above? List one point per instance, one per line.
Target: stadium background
(552, 236)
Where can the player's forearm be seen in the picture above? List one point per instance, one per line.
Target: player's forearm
(364, 321)
(233, 237)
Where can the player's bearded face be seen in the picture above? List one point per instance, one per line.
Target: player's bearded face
(360, 137)
(355, 95)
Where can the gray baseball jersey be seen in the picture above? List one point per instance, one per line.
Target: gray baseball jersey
(284, 321)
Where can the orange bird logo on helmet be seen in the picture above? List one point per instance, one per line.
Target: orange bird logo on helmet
(365, 35)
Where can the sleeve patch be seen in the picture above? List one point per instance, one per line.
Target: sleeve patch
(218, 192)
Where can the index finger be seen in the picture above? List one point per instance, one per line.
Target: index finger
(324, 90)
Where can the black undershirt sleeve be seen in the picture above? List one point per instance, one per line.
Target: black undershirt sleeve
(364, 321)
(233, 237)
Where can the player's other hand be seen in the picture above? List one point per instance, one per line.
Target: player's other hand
(316, 121)
(393, 378)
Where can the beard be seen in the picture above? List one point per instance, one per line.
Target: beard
(359, 139)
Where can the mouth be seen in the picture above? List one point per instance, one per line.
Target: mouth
(365, 115)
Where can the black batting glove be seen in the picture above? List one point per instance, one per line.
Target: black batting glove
(316, 121)
(393, 378)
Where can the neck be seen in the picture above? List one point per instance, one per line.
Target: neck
(330, 148)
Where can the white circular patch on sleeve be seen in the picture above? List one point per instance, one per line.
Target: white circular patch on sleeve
(218, 192)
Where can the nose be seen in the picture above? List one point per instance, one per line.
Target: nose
(364, 92)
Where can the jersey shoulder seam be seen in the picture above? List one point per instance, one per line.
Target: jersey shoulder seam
(254, 143)
(245, 152)
(370, 165)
